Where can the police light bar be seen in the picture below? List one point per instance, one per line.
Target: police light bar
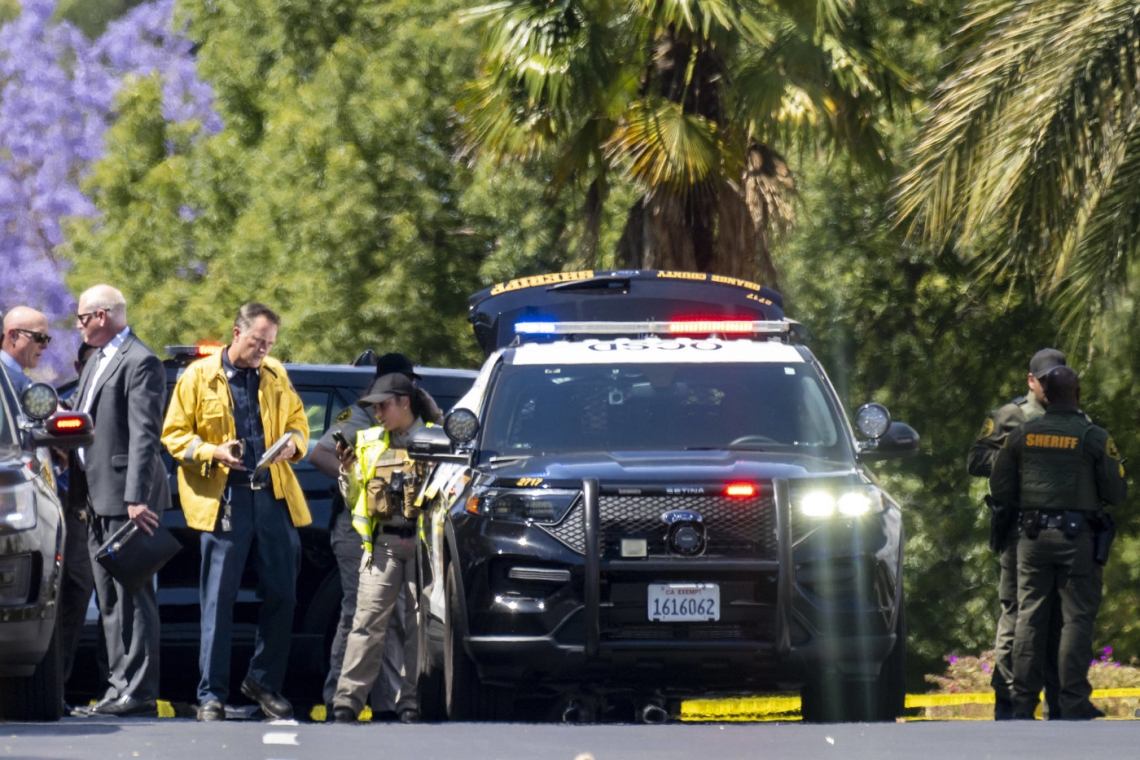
(202, 349)
(675, 327)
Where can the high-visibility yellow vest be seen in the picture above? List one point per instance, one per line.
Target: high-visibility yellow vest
(370, 447)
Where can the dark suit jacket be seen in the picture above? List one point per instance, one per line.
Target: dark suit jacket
(124, 465)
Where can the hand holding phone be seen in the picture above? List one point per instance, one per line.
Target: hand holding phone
(340, 440)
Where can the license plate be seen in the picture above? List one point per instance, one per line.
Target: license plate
(678, 602)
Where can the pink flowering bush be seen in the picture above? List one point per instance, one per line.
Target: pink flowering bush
(967, 674)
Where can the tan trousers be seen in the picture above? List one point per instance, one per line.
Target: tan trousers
(393, 567)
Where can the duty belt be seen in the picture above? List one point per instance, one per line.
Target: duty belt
(403, 531)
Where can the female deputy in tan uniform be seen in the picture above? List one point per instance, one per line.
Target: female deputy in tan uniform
(381, 486)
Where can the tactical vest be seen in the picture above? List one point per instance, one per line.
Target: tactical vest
(371, 444)
(1052, 460)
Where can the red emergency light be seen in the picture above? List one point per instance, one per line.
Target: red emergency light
(740, 490)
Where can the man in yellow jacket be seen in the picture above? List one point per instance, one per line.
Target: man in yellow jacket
(227, 413)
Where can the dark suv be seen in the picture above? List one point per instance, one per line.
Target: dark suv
(326, 390)
(31, 546)
(652, 492)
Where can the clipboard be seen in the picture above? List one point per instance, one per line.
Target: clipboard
(277, 447)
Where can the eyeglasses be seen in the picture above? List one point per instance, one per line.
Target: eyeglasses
(42, 338)
(83, 319)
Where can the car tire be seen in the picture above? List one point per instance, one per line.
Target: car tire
(429, 677)
(38, 697)
(464, 695)
(842, 700)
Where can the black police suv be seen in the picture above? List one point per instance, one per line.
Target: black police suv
(326, 390)
(652, 492)
(31, 549)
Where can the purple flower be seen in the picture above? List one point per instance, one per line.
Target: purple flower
(985, 667)
(57, 91)
(952, 659)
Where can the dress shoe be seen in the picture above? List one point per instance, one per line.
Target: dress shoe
(272, 704)
(1089, 713)
(211, 709)
(409, 715)
(84, 711)
(344, 715)
(126, 707)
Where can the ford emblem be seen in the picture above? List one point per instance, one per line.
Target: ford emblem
(680, 515)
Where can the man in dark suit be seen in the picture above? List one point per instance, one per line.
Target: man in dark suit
(120, 478)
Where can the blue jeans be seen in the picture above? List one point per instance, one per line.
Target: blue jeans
(277, 561)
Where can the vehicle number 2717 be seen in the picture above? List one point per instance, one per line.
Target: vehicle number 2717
(679, 602)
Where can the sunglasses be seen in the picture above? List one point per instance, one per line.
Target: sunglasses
(42, 338)
(85, 318)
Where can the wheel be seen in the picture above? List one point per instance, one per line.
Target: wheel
(429, 677)
(464, 696)
(40, 695)
(892, 676)
(842, 700)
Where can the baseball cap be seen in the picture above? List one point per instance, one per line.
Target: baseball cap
(394, 362)
(1045, 361)
(385, 387)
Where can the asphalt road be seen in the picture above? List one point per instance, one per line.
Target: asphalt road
(187, 740)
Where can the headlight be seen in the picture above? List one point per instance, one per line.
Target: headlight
(542, 505)
(17, 507)
(821, 503)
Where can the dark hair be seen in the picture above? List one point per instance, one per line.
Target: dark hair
(419, 407)
(1062, 385)
(251, 311)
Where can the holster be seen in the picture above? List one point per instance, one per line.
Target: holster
(1003, 524)
(1030, 523)
(1074, 519)
(1103, 534)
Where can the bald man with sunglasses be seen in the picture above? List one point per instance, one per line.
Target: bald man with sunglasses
(25, 339)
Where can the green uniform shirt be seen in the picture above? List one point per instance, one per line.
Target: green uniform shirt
(1059, 461)
(998, 425)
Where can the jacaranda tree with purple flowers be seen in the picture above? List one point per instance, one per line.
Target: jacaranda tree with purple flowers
(57, 92)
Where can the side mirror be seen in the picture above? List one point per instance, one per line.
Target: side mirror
(899, 442)
(432, 445)
(48, 427)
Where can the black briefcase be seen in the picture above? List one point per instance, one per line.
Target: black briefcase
(132, 557)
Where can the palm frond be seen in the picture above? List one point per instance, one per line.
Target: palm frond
(665, 147)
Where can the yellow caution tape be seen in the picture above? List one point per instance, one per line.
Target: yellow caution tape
(947, 700)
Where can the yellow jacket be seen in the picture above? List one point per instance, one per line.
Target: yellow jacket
(200, 417)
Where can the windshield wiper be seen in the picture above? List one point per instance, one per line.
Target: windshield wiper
(508, 458)
(727, 447)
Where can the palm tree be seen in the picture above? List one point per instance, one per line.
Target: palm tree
(1030, 161)
(692, 100)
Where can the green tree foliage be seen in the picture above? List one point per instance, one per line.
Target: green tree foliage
(1030, 158)
(690, 101)
(333, 193)
(92, 16)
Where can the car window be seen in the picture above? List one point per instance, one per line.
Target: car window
(549, 409)
(317, 410)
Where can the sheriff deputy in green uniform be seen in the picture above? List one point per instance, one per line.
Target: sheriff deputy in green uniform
(997, 427)
(1059, 470)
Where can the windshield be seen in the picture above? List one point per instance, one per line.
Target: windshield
(627, 407)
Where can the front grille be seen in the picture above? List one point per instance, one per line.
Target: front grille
(733, 527)
(678, 631)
